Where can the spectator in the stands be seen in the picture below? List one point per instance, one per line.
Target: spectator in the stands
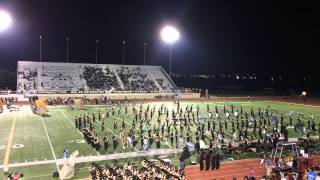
(98, 78)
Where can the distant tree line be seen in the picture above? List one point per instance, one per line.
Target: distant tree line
(8, 79)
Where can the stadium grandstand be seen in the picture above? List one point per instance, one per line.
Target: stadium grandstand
(229, 95)
(51, 77)
(103, 121)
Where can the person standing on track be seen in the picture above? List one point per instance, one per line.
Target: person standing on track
(208, 158)
(201, 159)
(217, 161)
(213, 162)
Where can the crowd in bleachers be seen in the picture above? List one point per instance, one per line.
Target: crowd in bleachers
(27, 79)
(28, 74)
(62, 79)
(149, 170)
(135, 79)
(98, 78)
(162, 85)
(11, 99)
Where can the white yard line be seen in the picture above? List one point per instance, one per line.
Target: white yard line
(153, 123)
(98, 123)
(119, 118)
(67, 117)
(111, 130)
(54, 155)
(64, 114)
(114, 133)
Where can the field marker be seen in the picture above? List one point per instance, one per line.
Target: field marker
(9, 144)
(64, 114)
(54, 155)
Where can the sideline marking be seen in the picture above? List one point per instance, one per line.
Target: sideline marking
(9, 144)
(54, 155)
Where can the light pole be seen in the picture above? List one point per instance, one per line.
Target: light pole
(97, 44)
(170, 55)
(67, 46)
(40, 48)
(169, 35)
(123, 51)
(144, 53)
(304, 96)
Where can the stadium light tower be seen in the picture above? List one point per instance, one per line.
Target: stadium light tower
(97, 47)
(144, 53)
(123, 50)
(304, 96)
(67, 47)
(5, 20)
(40, 48)
(169, 35)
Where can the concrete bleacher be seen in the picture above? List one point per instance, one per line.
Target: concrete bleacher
(60, 77)
(136, 78)
(158, 73)
(51, 77)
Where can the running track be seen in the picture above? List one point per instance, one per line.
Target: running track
(227, 171)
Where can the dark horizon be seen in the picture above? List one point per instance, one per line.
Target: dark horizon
(265, 37)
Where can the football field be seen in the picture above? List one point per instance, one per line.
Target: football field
(34, 145)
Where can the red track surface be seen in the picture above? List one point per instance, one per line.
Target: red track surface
(227, 171)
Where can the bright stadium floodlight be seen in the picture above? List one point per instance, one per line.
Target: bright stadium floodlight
(304, 93)
(304, 96)
(169, 35)
(5, 20)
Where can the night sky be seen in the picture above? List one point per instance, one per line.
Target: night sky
(216, 36)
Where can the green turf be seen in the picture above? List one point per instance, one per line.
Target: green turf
(5, 126)
(36, 172)
(63, 135)
(59, 123)
(29, 132)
